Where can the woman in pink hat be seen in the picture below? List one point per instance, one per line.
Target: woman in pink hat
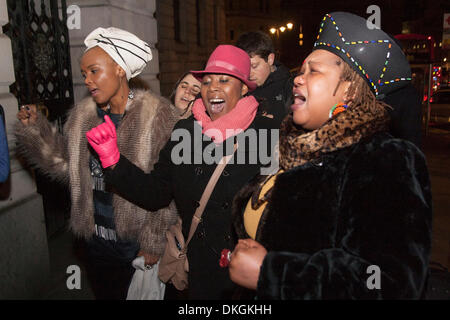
(223, 116)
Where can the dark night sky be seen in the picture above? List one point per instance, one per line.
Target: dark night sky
(426, 18)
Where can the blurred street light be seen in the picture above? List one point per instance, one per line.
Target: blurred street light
(300, 36)
(276, 31)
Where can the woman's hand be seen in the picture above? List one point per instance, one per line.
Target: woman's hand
(104, 141)
(246, 261)
(27, 114)
(150, 260)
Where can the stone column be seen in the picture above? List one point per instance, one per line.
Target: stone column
(135, 16)
(24, 258)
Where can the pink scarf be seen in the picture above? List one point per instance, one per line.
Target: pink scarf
(237, 120)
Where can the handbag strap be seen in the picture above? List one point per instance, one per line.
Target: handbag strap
(196, 219)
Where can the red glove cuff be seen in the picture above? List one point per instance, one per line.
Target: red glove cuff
(110, 160)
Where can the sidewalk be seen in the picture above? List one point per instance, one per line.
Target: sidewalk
(64, 253)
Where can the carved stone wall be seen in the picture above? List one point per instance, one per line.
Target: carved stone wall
(201, 27)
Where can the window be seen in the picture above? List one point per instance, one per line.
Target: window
(199, 12)
(216, 23)
(179, 20)
(176, 19)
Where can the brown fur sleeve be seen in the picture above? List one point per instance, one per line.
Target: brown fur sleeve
(152, 237)
(43, 147)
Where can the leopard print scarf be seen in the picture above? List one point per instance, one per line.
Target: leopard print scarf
(298, 146)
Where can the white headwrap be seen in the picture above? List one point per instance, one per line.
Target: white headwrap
(130, 52)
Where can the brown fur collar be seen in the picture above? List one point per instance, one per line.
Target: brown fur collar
(298, 146)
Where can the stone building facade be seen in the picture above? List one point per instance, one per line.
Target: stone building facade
(188, 31)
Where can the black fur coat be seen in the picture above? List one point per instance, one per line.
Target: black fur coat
(330, 219)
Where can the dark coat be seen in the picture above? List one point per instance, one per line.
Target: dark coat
(406, 114)
(185, 184)
(276, 92)
(327, 221)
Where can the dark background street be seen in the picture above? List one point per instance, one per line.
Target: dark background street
(436, 146)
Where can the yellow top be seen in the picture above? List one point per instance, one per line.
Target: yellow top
(252, 216)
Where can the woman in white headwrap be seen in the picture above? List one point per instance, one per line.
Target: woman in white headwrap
(115, 230)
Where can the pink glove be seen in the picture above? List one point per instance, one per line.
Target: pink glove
(104, 141)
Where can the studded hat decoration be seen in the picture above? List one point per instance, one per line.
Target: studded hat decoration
(371, 52)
